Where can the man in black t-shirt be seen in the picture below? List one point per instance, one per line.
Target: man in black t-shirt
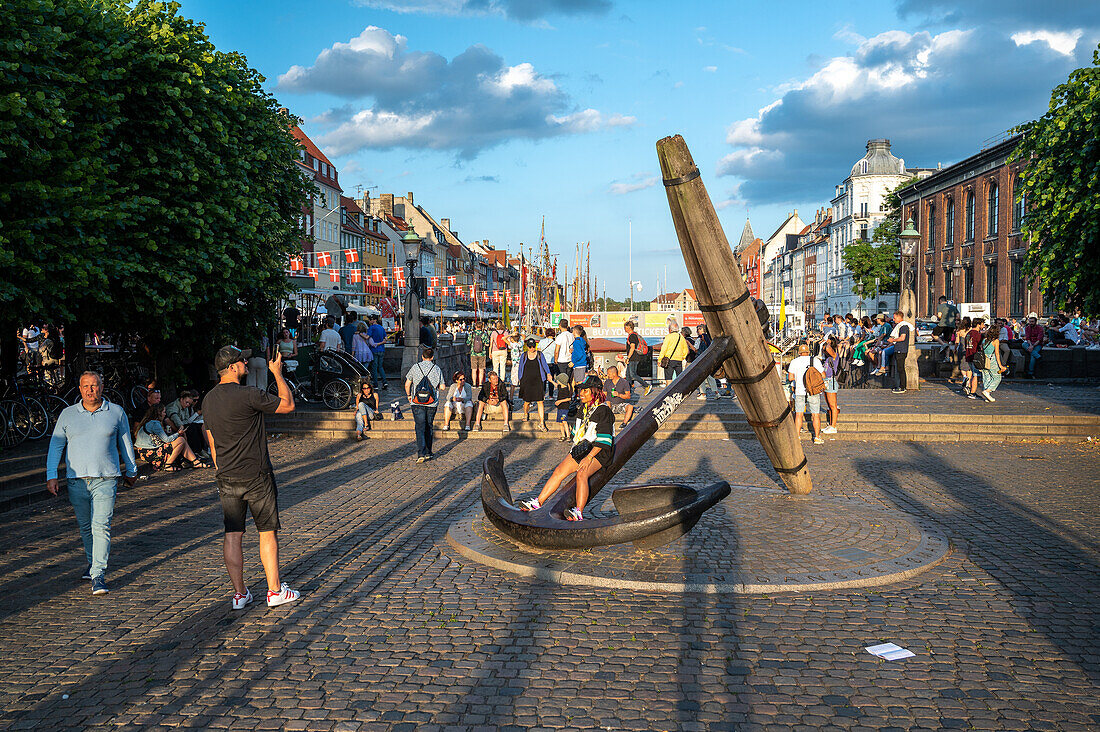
(618, 395)
(233, 416)
(899, 336)
(634, 357)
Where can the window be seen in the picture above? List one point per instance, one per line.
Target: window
(931, 226)
(863, 208)
(949, 225)
(948, 285)
(968, 284)
(1017, 289)
(1018, 208)
(969, 216)
(931, 279)
(991, 212)
(991, 287)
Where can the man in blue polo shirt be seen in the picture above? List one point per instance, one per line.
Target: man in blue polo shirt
(94, 436)
(377, 334)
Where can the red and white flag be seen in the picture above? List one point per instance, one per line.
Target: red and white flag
(324, 259)
(435, 282)
(376, 274)
(352, 255)
(334, 275)
(443, 291)
(355, 276)
(399, 272)
(312, 272)
(458, 291)
(484, 296)
(296, 264)
(451, 281)
(431, 291)
(385, 282)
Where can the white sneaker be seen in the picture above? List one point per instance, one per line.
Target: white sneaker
(828, 430)
(282, 597)
(239, 600)
(446, 426)
(530, 504)
(702, 397)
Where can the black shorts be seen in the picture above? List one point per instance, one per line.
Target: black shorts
(942, 331)
(257, 494)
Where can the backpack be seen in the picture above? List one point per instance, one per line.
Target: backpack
(477, 345)
(979, 360)
(589, 361)
(813, 380)
(424, 394)
(643, 347)
(501, 342)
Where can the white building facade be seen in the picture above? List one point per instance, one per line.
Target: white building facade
(858, 207)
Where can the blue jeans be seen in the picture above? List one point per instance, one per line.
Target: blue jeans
(363, 416)
(93, 500)
(423, 417)
(377, 370)
(710, 383)
(1033, 358)
(884, 357)
(631, 374)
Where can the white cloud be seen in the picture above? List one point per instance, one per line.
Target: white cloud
(640, 181)
(936, 96)
(1062, 42)
(419, 99)
(710, 69)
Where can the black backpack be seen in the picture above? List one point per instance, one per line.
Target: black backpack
(424, 394)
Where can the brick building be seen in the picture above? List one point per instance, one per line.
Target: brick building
(971, 246)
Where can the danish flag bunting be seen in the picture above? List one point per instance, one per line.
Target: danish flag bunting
(443, 291)
(334, 275)
(484, 296)
(458, 291)
(431, 291)
(451, 281)
(355, 276)
(399, 272)
(435, 282)
(312, 272)
(376, 274)
(295, 264)
(324, 259)
(352, 255)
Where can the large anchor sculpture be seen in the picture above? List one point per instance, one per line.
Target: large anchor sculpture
(654, 514)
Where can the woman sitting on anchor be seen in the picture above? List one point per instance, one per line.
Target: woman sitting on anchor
(593, 448)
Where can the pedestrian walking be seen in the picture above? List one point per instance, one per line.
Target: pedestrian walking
(498, 350)
(991, 364)
(93, 436)
(233, 415)
(831, 352)
(377, 335)
(533, 375)
(479, 349)
(563, 349)
(636, 349)
(581, 356)
(422, 385)
(805, 375)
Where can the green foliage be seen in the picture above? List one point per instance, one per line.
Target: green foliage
(867, 261)
(1062, 189)
(149, 181)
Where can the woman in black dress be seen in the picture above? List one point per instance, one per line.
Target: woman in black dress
(534, 372)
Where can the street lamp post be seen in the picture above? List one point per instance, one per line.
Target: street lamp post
(907, 303)
(410, 242)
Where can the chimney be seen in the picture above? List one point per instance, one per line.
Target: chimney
(446, 224)
(409, 198)
(386, 202)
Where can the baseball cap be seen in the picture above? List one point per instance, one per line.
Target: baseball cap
(229, 355)
(804, 349)
(592, 382)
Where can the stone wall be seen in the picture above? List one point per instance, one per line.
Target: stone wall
(1056, 363)
(452, 354)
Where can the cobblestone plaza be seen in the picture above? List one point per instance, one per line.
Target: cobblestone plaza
(397, 630)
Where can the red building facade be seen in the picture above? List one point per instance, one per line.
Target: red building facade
(972, 247)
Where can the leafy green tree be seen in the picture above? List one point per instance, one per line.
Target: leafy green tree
(1062, 192)
(150, 184)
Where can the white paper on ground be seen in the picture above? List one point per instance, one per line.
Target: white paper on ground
(889, 651)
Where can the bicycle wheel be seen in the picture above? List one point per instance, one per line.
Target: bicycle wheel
(54, 405)
(114, 397)
(17, 418)
(336, 394)
(39, 419)
(138, 396)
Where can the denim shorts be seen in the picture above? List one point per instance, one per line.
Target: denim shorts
(807, 403)
(830, 385)
(257, 494)
(563, 415)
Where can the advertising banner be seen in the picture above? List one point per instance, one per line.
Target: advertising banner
(647, 324)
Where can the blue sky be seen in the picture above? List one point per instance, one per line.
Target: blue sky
(498, 112)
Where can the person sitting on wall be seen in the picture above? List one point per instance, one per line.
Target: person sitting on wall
(593, 449)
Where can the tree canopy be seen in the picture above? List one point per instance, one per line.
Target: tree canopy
(1062, 192)
(150, 182)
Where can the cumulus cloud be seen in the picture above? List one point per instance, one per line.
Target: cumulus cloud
(638, 182)
(524, 11)
(1062, 42)
(419, 99)
(936, 96)
(1049, 14)
(482, 179)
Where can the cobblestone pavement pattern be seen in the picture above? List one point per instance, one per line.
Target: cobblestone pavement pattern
(396, 631)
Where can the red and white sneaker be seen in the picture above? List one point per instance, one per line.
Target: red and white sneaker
(282, 597)
(239, 600)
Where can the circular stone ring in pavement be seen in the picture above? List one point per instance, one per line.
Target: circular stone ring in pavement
(758, 540)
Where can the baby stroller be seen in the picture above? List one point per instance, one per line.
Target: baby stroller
(335, 378)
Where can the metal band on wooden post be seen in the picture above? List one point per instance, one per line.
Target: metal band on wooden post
(669, 182)
(771, 422)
